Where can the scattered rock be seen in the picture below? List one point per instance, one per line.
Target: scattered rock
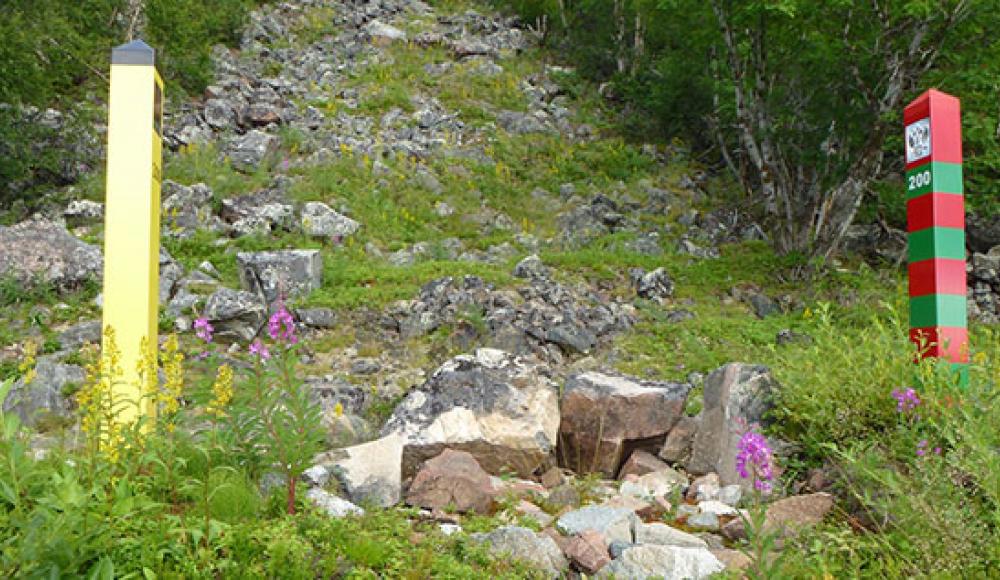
(333, 506)
(280, 274)
(316, 317)
(384, 34)
(531, 267)
(319, 220)
(733, 560)
(370, 472)
(452, 480)
(763, 306)
(42, 251)
(80, 334)
(656, 484)
(498, 407)
(605, 416)
(787, 517)
(677, 446)
(640, 463)
(588, 551)
(235, 315)
(522, 544)
(736, 396)
(654, 285)
(46, 397)
(667, 562)
(82, 210)
(564, 496)
(663, 535)
(612, 523)
(248, 152)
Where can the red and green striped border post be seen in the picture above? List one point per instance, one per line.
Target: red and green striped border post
(935, 210)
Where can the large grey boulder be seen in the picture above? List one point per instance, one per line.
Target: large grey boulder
(280, 273)
(319, 220)
(248, 152)
(500, 408)
(736, 397)
(522, 544)
(606, 415)
(666, 562)
(235, 315)
(369, 472)
(45, 396)
(187, 209)
(38, 250)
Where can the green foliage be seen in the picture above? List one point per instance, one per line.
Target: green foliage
(185, 31)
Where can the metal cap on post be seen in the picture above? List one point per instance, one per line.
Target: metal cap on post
(132, 223)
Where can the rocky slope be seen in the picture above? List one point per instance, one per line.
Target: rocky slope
(423, 191)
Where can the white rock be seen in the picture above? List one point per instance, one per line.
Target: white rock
(334, 506)
(667, 562)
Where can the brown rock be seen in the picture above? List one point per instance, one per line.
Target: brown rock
(640, 463)
(453, 479)
(564, 495)
(677, 446)
(553, 478)
(588, 551)
(787, 516)
(732, 559)
(604, 416)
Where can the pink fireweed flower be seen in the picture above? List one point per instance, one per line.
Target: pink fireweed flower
(281, 326)
(259, 349)
(906, 400)
(203, 329)
(754, 460)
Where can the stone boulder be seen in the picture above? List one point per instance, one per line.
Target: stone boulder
(261, 212)
(787, 517)
(44, 397)
(452, 480)
(736, 396)
(614, 523)
(38, 250)
(248, 152)
(187, 209)
(369, 472)
(606, 416)
(332, 505)
(588, 551)
(537, 550)
(666, 562)
(280, 273)
(235, 315)
(319, 220)
(654, 285)
(498, 407)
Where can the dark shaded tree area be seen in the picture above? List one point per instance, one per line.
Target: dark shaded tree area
(56, 53)
(801, 101)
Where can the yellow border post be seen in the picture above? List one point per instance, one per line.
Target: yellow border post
(132, 216)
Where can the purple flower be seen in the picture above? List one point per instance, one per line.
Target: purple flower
(259, 349)
(281, 326)
(754, 460)
(203, 328)
(906, 400)
(922, 448)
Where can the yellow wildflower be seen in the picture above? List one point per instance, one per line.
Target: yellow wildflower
(27, 366)
(173, 370)
(338, 409)
(223, 391)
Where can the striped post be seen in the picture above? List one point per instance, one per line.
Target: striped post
(935, 210)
